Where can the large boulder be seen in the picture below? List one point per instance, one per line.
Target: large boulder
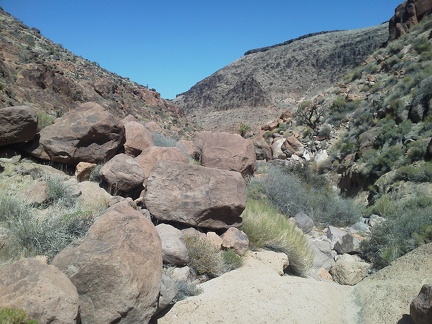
(148, 158)
(421, 306)
(226, 151)
(17, 124)
(138, 138)
(122, 173)
(87, 134)
(42, 290)
(117, 268)
(195, 195)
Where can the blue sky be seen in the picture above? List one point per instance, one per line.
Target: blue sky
(171, 45)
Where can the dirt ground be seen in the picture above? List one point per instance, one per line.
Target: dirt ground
(255, 293)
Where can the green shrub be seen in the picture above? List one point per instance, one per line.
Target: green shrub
(310, 193)
(186, 288)
(44, 120)
(243, 129)
(231, 260)
(407, 226)
(419, 173)
(267, 228)
(163, 141)
(32, 235)
(58, 192)
(15, 316)
(204, 257)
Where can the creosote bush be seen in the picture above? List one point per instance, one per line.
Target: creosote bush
(267, 228)
(186, 288)
(163, 141)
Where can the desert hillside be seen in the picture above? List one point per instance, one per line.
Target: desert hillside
(262, 83)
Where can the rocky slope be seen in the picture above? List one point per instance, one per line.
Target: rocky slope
(36, 71)
(256, 87)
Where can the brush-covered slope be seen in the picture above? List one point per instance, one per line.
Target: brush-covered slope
(36, 71)
(257, 86)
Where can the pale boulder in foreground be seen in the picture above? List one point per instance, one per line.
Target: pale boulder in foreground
(195, 195)
(117, 269)
(42, 290)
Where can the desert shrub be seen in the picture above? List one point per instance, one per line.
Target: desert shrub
(186, 288)
(325, 131)
(407, 227)
(231, 260)
(420, 173)
(15, 316)
(387, 159)
(44, 120)
(163, 141)
(243, 129)
(422, 45)
(32, 235)
(267, 228)
(95, 175)
(309, 192)
(204, 257)
(58, 192)
(309, 114)
(417, 150)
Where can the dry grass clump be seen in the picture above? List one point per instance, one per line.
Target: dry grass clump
(267, 228)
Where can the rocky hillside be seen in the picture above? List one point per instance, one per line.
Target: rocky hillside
(36, 71)
(256, 87)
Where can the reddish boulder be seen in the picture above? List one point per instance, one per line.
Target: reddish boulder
(87, 134)
(148, 158)
(42, 290)
(195, 195)
(226, 151)
(138, 138)
(122, 173)
(17, 124)
(236, 239)
(117, 269)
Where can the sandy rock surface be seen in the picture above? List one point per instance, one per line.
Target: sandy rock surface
(255, 293)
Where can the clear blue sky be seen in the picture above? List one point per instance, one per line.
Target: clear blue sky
(171, 45)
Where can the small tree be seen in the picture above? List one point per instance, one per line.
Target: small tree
(310, 114)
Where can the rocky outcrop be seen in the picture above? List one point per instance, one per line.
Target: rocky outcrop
(17, 124)
(195, 195)
(226, 151)
(42, 290)
(408, 14)
(151, 155)
(88, 134)
(117, 268)
(421, 306)
(122, 173)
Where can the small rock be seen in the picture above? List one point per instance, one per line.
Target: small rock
(236, 239)
(276, 260)
(304, 222)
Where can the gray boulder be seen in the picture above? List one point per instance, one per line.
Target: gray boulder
(195, 195)
(304, 222)
(348, 244)
(174, 250)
